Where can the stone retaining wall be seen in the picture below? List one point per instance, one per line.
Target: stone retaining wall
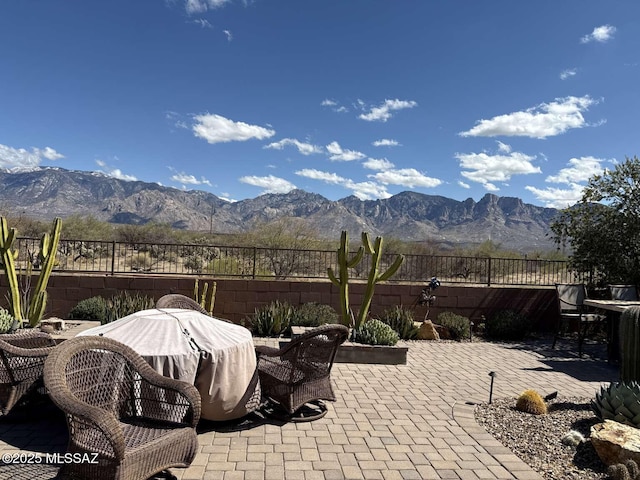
(237, 298)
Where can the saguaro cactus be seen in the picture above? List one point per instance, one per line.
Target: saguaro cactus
(47, 257)
(208, 297)
(7, 236)
(375, 276)
(630, 345)
(342, 280)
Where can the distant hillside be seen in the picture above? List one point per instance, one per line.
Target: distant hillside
(49, 192)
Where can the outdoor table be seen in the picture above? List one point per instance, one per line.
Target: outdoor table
(613, 308)
(217, 357)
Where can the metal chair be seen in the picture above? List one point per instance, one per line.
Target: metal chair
(298, 374)
(573, 312)
(136, 422)
(22, 357)
(623, 292)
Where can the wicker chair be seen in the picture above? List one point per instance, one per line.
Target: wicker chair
(138, 422)
(22, 357)
(298, 375)
(175, 300)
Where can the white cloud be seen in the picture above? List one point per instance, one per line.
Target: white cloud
(199, 6)
(218, 129)
(20, 158)
(568, 73)
(340, 155)
(362, 190)
(114, 172)
(503, 147)
(383, 112)
(601, 34)
(544, 120)
(485, 169)
(377, 164)
(579, 170)
(385, 142)
(303, 148)
(463, 185)
(335, 106)
(226, 197)
(203, 23)
(558, 197)
(185, 179)
(228, 34)
(407, 177)
(271, 184)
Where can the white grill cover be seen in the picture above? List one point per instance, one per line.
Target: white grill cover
(217, 357)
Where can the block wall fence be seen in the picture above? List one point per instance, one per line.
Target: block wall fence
(238, 298)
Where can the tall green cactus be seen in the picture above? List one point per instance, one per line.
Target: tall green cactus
(375, 276)
(47, 256)
(342, 281)
(208, 297)
(7, 236)
(630, 345)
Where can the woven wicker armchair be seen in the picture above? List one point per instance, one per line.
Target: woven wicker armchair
(298, 375)
(175, 300)
(138, 422)
(22, 357)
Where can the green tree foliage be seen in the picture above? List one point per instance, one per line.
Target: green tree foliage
(78, 227)
(603, 228)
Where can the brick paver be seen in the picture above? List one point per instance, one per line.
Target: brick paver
(400, 422)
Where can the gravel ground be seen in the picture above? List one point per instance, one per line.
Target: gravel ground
(537, 439)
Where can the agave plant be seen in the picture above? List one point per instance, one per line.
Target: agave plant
(620, 402)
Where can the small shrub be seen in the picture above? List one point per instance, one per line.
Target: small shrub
(124, 304)
(140, 263)
(93, 308)
(401, 320)
(6, 321)
(458, 326)
(507, 325)
(272, 320)
(313, 315)
(530, 401)
(375, 332)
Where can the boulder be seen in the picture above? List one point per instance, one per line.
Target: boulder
(615, 442)
(427, 331)
(443, 331)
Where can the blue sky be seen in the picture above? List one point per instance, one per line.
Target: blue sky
(457, 98)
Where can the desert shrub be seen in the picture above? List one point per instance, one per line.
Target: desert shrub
(375, 332)
(530, 401)
(271, 320)
(140, 262)
(401, 320)
(313, 315)
(507, 325)
(458, 326)
(93, 308)
(6, 321)
(124, 304)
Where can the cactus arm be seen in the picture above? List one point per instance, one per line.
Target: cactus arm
(48, 250)
(7, 237)
(375, 276)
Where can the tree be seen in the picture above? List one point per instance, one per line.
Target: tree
(603, 228)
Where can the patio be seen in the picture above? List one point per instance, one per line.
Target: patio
(390, 421)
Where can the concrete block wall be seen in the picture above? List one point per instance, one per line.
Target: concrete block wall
(238, 298)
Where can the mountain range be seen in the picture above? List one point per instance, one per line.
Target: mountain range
(45, 193)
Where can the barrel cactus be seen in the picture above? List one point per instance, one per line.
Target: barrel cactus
(620, 402)
(532, 402)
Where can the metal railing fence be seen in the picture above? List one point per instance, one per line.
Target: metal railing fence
(110, 257)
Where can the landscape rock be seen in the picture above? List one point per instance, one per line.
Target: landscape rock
(615, 442)
(444, 332)
(427, 331)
